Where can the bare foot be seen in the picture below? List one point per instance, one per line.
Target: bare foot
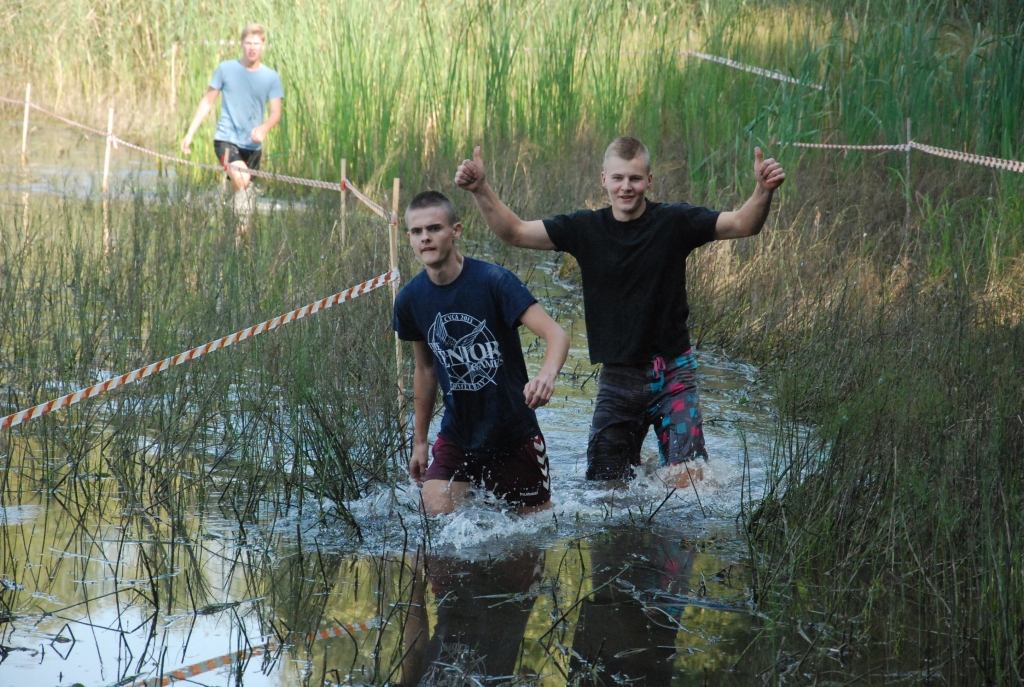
(682, 475)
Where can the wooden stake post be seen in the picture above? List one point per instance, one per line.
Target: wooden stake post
(24, 125)
(174, 79)
(106, 153)
(906, 217)
(394, 293)
(344, 197)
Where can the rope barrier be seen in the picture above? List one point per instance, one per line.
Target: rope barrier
(993, 162)
(778, 76)
(115, 143)
(271, 646)
(901, 147)
(223, 342)
(956, 155)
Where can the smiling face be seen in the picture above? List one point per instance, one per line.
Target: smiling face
(626, 182)
(432, 235)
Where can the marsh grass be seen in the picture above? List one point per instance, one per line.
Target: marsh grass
(306, 425)
(405, 89)
(892, 513)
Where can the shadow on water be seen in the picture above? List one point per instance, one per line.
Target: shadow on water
(245, 521)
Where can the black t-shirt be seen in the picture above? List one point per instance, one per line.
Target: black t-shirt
(472, 328)
(634, 277)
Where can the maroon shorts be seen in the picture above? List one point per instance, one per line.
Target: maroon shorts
(518, 473)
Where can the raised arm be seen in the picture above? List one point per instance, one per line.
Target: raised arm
(505, 224)
(539, 389)
(424, 395)
(750, 219)
(203, 109)
(260, 132)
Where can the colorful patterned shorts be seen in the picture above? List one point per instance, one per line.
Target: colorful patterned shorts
(630, 399)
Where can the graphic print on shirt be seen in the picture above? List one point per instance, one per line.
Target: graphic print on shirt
(466, 348)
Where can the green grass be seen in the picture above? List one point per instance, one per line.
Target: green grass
(271, 420)
(411, 89)
(892, 516)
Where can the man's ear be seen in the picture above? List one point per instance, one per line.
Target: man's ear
(458, 229)
(602, 179)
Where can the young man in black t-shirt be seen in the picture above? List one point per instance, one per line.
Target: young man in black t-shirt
(632, 257)
(462, 316)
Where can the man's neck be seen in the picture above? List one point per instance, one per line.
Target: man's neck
(447, 272)
(627, 217)
(251, 67)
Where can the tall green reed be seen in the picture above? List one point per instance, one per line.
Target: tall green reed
(306, 411)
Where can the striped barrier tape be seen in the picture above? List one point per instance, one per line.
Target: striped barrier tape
(778, 76)
(993, 162)
(958, 156)
(223, 342)
(115, 143)
(271, 646)
(386, 214)
(902, 147)
(70, 122)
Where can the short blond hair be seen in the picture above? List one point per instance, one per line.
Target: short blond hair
(254, 30)
(627, 148)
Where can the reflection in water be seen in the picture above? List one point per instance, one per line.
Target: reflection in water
(482, 610)
(616, 634)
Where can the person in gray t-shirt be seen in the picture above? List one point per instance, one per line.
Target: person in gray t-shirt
(247, 86)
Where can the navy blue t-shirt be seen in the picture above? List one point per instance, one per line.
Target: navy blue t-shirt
(472, 328)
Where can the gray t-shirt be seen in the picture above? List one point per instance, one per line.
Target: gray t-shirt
(244, 95)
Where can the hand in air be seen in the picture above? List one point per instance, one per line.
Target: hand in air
(418, 463)
(470, 174)
(538, 390)
(186, 145)
(258, 134)
(769, 173)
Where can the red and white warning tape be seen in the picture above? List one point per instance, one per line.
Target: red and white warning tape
(778, 76)
(273, 645)
(135, 375)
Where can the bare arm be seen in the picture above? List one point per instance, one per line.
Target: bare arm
(260, 132)
(204, 108)
(750, 219)
(424, 395)
(505, 224)
(539, 389)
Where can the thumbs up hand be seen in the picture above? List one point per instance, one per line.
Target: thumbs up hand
(470, 174)
(769, 173)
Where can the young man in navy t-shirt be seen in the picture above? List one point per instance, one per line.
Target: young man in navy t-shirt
(632, 258)
(462, 317)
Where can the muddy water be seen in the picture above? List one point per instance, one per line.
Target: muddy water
(617, 583)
